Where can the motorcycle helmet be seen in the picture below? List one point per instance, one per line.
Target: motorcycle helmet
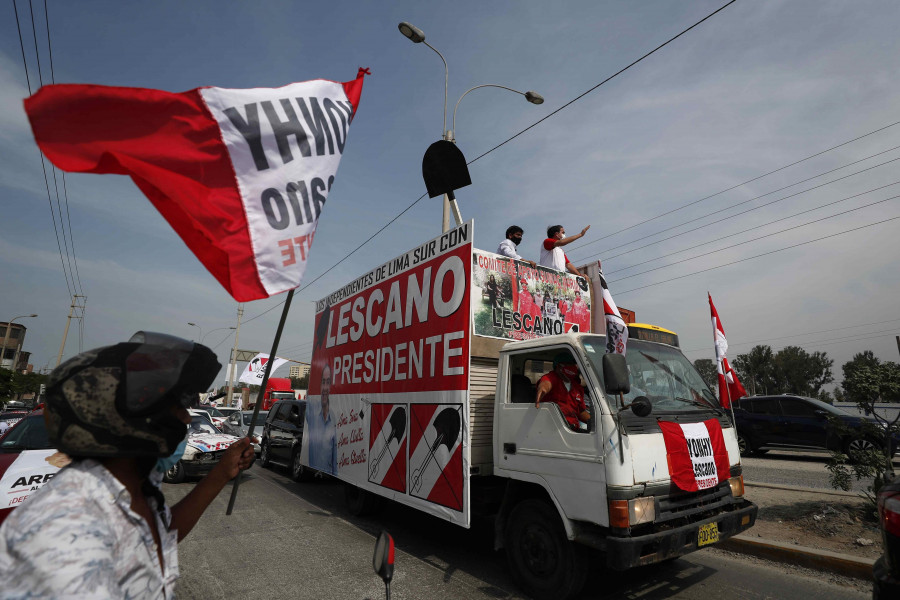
(117, 400)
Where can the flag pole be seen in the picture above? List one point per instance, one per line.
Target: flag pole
(728, 395)
(262, 391)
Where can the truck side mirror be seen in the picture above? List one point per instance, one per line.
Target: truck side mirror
(615, 374)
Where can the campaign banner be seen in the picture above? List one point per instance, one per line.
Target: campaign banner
(514, 301)
(388, 403)
(28, 473)
(255, 370)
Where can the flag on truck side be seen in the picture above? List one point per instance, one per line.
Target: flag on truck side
(241, 175)
(616, 329)
(729, 387)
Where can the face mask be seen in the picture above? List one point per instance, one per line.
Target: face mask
(570, 371)
(517, 240)
(562, 236)
(166, 463)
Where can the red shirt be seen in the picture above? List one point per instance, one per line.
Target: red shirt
(570, 402)
(550, 243)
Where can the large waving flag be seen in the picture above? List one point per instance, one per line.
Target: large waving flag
(240, 174)
(729, 386)
(616, 329)
(255, 370)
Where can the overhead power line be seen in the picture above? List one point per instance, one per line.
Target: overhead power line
(742, 202)
(762, 237)
(785, 337)
(734, 187)
(797, 214)
(734, 262)
(503, 143)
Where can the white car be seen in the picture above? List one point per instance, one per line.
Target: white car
(218, 419)
(205, 446)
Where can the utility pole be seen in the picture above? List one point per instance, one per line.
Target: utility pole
(72, 308)
(232, 365)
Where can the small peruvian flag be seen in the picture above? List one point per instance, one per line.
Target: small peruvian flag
(616, 329)
(241, 175)
(729, 387)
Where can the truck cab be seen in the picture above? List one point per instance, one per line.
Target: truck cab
(608, 485)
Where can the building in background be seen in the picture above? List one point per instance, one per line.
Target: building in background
(12, 338)
(298, 371)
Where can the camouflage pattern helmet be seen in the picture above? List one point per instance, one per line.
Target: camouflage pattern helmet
(118, 400)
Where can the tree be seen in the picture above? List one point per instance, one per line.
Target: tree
(800, 373)
(755, 369)
(867, 380)
(300, 383)
(707, 369)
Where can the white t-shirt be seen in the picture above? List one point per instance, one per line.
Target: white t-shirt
(554, 257)
(508, 248)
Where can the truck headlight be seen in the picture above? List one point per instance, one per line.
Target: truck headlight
(641, 510)
(737, 486)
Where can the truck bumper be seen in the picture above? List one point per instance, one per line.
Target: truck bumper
(626, 552)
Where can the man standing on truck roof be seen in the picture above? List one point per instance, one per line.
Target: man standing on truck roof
(508, 246)
(562, 386)
(322, 439)
(552, 254)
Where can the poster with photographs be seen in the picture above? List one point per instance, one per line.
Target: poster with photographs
(514, 301)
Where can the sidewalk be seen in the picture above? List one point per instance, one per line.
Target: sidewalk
(827, 530)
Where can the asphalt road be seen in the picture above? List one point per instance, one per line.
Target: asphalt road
(786, 467)
(291, 540)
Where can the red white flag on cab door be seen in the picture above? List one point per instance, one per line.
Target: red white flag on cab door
(616, 329)
(729, 386)
(240, 174)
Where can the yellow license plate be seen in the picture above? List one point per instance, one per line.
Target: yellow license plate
(708, 534)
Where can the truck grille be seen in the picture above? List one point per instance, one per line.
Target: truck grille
(687, 505)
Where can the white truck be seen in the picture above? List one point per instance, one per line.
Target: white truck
(417, 394)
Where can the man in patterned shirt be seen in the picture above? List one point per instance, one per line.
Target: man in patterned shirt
(101, 527)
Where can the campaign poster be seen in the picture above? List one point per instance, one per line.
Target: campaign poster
(28, 473)
(514, 301)
(388, 404)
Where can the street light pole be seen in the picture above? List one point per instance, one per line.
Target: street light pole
(206, 335)
(198, 327)
(417, 36)
(6, 340)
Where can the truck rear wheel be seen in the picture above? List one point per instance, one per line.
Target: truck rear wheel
(543, 562)
(360, 502)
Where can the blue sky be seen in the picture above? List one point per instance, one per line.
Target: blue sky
(757, 87)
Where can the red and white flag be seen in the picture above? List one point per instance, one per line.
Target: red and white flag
(240, 174)
(255, 370)
(696, 453)
(616, 329)
(729, 386)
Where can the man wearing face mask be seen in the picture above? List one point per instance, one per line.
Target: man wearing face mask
(563, 387)
(101, 527)
(552, 254)
(508, 246)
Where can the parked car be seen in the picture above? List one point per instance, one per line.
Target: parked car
(217, 417)
(239, 424)
(887, 568)
(282, 437)
(27, 461)
(205, 447)
(227, 411)
(11, 417)
(767, 422)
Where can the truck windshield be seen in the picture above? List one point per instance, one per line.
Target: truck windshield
(281, 395)
(659, 372)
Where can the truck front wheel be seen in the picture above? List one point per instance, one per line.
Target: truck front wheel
(543, 562)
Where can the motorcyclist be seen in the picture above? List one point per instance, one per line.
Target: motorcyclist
(101, 527)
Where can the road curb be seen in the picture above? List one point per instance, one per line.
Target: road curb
(797, 488)
(811, 558)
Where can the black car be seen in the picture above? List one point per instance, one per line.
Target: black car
(282, 437)
(796, 422)
(887, 568)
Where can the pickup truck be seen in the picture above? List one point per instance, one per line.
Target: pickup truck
(424, 390)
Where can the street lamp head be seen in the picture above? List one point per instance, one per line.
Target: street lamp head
(193, 324)
(412, 32)
(534, 97)
(32, 315)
